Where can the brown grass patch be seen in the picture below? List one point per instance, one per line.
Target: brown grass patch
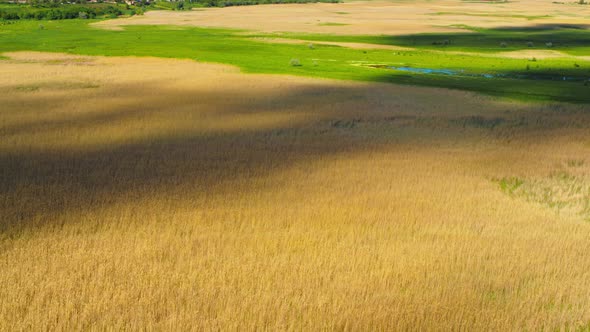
(538, 54)
(361, 46)
(179, 196)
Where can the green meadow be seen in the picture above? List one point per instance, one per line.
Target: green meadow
(470, 53)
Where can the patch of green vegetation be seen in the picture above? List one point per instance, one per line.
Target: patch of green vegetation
(27, 88)
(561, 190)
(234, 47)
(332, 24)
(527, 17)
(509, 185)
(575, 163)
(62, 9)
(189, 5)
(571, 39)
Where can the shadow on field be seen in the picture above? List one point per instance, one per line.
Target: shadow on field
(563, 79)
(175, 144)
(554, 85)
(561, 36)
(181, 146)
(546, 27)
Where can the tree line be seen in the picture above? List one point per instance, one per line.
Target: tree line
(61, 10)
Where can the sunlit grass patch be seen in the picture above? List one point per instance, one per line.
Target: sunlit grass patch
(177, 187)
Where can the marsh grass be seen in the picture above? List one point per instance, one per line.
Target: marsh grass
(509, 185)
(247, 202)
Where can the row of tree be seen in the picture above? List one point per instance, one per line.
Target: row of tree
(59, 13)
(69, 9)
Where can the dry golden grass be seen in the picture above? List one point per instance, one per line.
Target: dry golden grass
(360, 46)
(141, 193)
(369, 17)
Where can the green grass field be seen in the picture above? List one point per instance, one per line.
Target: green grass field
(530, 79)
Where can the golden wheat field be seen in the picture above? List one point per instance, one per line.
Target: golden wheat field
(158, 194)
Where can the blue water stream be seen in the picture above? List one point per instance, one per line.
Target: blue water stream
(450, 72)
